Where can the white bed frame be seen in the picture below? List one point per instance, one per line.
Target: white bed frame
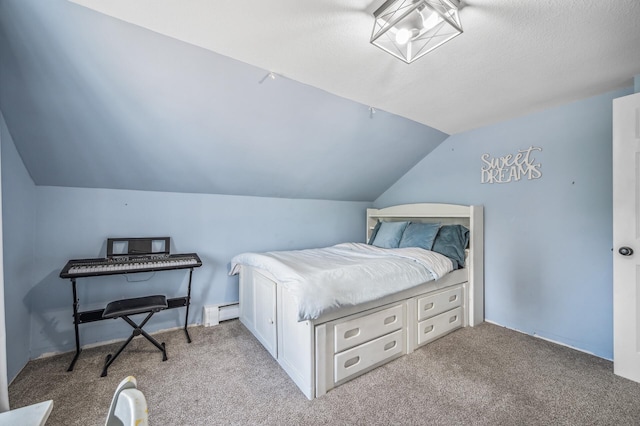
(323, 353)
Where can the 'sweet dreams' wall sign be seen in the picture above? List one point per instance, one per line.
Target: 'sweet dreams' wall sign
(510, 167)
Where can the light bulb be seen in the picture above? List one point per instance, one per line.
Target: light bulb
(403, 36)
(432, 20)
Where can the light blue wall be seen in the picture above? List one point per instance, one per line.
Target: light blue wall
(18, 231)
(636, 83)
(74, 223)
(96, 102)
(548, 261)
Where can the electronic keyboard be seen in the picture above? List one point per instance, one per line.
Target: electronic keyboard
(129, 264)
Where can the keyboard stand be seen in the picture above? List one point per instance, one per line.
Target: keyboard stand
(83, 317)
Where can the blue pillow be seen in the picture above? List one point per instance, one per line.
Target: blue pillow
(419, 235)
(374, 233)
(389, 234)
(451, 241)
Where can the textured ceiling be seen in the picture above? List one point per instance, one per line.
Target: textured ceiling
(514, 57)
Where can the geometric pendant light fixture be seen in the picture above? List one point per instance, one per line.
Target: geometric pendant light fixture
(409, 29)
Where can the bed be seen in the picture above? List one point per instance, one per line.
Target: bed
(323, 345)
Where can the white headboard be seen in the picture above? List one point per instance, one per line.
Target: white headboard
(470, 216)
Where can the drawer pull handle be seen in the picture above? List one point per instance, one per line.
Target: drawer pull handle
(428, 329)
(453, 298)
(351, 333)
(390, 345)
(390, 320)
(351, 362)
(428, 306)
(453, 319)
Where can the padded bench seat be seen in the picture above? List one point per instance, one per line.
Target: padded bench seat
(138, 305)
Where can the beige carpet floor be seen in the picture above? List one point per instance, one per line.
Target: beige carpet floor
(486, 375)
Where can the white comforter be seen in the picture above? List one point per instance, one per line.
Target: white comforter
(345, 274)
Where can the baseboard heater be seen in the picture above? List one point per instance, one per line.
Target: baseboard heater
(215, 314)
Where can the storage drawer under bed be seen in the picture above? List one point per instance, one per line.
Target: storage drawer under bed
(355, 360)
(356, 331)
(434, 327)
(434, 304)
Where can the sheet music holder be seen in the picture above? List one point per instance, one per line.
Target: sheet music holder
(137, 246)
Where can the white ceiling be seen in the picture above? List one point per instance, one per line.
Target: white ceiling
(514, 57)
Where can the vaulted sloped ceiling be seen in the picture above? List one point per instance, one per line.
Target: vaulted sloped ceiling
(92, 101)
(515, 57)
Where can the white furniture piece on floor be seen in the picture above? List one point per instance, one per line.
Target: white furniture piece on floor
(326, 352)
(128, 406)
(31, 415)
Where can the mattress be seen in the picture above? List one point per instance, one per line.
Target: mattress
(327, 279)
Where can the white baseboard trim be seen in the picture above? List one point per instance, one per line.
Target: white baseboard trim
(547, 339)
(108, 342)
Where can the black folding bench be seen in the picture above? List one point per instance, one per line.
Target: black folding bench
(139, 305)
